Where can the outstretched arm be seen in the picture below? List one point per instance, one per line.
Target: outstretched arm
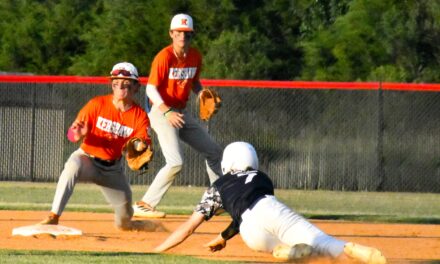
(181, 233)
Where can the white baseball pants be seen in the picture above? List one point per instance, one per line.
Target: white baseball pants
(271, 222)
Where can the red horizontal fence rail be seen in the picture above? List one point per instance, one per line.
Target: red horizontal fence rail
(426, 87)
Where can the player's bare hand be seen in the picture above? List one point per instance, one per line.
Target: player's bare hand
(216, 244)
(79, 129)
(175, 119)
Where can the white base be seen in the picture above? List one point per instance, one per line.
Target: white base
(55, 230)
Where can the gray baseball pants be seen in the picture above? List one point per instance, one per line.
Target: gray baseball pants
(113, 182)
(193, 134)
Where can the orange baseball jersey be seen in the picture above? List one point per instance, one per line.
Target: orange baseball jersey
(110, 129)
(174, 77)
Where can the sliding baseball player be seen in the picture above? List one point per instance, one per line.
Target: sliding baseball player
(265, 224)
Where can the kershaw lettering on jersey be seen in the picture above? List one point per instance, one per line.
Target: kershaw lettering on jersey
(113, 127)
(182, 73)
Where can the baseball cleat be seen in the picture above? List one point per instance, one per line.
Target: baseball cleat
(52, 219)
(144, 210)
(364, 254)
(298, 251)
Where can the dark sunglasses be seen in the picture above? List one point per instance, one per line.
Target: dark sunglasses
(121, 72)
(189, 35)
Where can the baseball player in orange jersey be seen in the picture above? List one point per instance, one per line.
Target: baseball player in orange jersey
(105, 124)
(265, 224)
(174, 74)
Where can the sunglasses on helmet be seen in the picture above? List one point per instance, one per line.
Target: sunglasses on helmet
(121, 72)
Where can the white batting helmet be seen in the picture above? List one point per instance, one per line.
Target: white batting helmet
(124, 70)
(182, 22)
(239, 156)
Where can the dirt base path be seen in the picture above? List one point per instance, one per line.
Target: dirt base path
(400, 243)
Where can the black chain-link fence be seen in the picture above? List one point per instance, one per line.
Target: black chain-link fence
(369, 140)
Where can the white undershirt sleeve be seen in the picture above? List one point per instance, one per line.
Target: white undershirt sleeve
(153, 94)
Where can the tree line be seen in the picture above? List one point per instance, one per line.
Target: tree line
(326, 40)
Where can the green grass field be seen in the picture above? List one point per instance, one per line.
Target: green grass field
(356, 206)
(75, 257)
(371, 206)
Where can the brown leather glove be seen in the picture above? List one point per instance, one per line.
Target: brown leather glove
(137, 154)
(209, 103)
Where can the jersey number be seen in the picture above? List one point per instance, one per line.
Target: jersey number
(249, 177)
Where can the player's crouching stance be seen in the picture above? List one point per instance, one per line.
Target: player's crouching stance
(106, 125)
(265, 224)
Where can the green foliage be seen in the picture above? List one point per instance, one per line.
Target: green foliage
(336, 40)
(376, 40)
(238, 56)
(122, 32)
(41, 36)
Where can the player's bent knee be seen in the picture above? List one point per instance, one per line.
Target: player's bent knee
(174, 169)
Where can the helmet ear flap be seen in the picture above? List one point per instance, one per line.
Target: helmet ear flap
(226, 163)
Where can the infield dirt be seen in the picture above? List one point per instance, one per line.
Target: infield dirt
(400, 243)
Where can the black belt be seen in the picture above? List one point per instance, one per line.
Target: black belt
(107, 163)
(256, 201)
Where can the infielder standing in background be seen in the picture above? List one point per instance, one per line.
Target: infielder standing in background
(174, 73)
(265, 224)
(105, 124)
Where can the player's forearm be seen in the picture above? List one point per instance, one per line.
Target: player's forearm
(153, 95)
(173, 240)
(156, 98)
(230, 231)
(181, 233)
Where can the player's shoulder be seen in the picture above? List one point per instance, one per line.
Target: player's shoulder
(165, 53)
(260, 172)
(239, 174)
(194, 52)
(100, 99)
(138, 109)
(247, 172)
(163, 57)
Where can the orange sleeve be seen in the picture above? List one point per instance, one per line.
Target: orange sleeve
(88, 113)
(158, 69)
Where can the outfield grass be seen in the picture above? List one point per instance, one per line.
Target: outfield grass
(370, 206)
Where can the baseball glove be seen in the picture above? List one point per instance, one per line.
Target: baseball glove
(209, 104)
(137, 154)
